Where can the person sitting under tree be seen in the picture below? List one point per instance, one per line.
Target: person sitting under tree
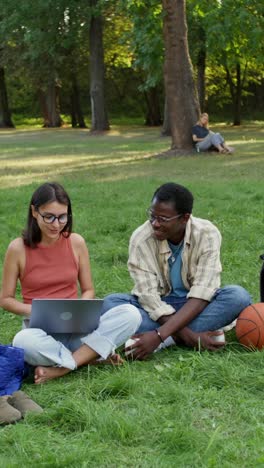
(204, 138)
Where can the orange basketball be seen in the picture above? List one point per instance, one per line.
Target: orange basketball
(250, 326)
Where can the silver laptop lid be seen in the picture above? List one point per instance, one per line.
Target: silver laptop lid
(65, 315)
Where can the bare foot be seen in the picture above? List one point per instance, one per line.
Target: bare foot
(42, 374)
(230, 149)
(115, 360)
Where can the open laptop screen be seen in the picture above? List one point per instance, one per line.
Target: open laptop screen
(66, 315)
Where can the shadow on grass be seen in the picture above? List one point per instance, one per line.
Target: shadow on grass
(36, 155)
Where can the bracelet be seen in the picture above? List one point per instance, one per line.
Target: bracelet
(159, 335)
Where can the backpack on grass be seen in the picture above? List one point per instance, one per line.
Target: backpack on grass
(12, 369)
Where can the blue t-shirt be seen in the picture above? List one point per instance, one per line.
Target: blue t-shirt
(175, 265)
(199, 131)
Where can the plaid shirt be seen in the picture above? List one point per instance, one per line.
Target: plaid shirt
(149, 269)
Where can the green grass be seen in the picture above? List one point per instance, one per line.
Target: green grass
(180, 408)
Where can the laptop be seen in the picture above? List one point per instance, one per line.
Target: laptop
(66, 315)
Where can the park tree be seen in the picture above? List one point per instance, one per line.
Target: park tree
(122, 79)
(147, 49)
(5, 114)
(77, 116)
(47, 46)
(235, 43)
(227, 49)
(196, 12)
(43, 40)
(97, 69)
(33, 33)
(121, 45)
(74, 69)
(183, 106)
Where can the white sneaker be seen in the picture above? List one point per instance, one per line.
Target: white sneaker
(229, 326)
(128, 343)
(219, 338)
(165, 344)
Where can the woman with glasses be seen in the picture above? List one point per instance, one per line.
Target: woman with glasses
(49, 261)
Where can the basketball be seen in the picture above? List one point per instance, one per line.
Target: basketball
(250, 326)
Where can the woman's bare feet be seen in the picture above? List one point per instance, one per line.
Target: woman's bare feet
(115, 360)
(230, 149)
(42, 374)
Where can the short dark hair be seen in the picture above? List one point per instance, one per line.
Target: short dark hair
(179, 196)
(46, 193)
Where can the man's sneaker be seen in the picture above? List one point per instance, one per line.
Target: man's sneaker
(165, 344)
(219, 338)
(230, 326)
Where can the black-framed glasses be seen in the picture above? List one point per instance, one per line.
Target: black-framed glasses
(49, 218)
(160, 219)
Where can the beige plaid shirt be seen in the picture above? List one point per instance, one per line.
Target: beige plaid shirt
(149, 269)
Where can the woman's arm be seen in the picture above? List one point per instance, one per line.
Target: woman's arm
(11, 272)
(85, 276)
(196, 139)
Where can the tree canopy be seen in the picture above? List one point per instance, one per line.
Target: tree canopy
(46, 55)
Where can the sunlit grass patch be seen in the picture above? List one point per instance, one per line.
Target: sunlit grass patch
(179, 408)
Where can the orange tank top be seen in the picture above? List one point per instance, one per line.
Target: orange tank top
(50, 272)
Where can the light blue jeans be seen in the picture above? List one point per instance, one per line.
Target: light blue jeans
(212, 139)
(224, 308)
(115, 327)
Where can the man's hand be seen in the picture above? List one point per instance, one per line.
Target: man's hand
(145, 344)
(201, 340)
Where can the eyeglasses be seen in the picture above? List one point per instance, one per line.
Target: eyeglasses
(49, 218)
(160, 219)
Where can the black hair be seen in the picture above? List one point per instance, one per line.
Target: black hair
(46, 193)
(179, 196)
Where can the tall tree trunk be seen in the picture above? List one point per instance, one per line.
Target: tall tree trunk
(201, 63)
(5, 114)
(178, 74)
(236, 92)
(166, 129)
(77, 118)
(49, 101)
(153, 116)
(98, 104)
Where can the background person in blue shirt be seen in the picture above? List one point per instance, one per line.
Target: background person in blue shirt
(204, 138)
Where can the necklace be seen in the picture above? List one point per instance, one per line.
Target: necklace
(175, 250)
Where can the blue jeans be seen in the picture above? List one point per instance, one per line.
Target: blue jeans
(225, 306)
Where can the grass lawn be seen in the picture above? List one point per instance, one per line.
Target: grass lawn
(181, 408)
